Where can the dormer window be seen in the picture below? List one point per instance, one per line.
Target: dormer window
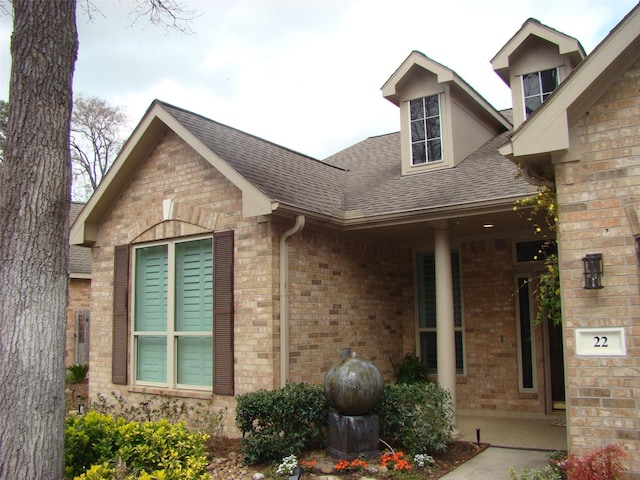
(426, 137)
(536, 87)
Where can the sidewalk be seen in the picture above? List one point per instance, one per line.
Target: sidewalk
(494, 463)
(515, 442)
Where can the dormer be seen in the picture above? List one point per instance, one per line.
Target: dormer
(533, 63)
(442, 119)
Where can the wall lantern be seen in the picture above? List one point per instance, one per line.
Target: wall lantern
(592, 271)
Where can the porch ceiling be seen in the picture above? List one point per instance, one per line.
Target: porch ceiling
(506, 224)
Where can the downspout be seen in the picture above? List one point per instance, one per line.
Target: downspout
(284, 298)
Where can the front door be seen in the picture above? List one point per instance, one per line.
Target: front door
(556, 365)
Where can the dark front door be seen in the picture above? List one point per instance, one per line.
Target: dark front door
(556, 365)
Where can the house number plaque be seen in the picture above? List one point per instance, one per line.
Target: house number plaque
(600, 342)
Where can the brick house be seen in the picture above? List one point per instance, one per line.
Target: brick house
(223, 263)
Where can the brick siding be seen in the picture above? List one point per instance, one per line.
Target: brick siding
(603, 392)
(347, 289)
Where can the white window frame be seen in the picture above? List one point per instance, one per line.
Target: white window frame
(426, 139)
(542, 93)
(171, 333)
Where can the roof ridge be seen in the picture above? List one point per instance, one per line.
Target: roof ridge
(261, 139)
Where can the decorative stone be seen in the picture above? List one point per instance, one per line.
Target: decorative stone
(353, 386)
(353, 436)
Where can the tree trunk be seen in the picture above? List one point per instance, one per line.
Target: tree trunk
(35, 182)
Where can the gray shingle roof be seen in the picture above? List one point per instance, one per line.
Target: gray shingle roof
(281, 174)
(365, 177)
(375, 184)
(79, 257)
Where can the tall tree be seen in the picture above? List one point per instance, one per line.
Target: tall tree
(96, 139)
(4, 117)
(35, 182)
(35, 185)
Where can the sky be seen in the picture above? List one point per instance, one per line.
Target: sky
(305, 74)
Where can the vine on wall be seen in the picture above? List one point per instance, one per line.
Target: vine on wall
(544, 207)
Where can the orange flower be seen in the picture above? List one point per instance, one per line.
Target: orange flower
(394, 461)
(355, 464)
(308, 464)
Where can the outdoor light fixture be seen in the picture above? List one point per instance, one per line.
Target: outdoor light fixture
(592, 271)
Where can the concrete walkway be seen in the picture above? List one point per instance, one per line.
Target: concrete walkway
(515, 442)
(494, 463)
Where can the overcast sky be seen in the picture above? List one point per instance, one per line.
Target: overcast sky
(305, 74)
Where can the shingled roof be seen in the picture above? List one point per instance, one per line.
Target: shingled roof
(280, 173)
(79, 257)
(365, 178)
(361, 185)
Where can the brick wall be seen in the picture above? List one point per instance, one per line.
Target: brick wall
(174, 171)
(348, 291)
(79, 299)
(603, 392)
(491, 381)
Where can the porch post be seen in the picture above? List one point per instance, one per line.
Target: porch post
(445, 320)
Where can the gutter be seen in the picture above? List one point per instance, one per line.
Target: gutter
(284, 298)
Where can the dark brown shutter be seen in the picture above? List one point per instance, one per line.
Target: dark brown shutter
(223, 313)
(120, 315)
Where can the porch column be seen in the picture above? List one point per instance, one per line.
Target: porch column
(445, 320)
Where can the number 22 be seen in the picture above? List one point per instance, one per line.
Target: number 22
(600, 342)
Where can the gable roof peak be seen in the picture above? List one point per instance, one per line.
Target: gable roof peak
(532, 27)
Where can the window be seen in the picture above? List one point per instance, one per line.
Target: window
(172, 332)
(426, 138)
(536, 87)
(427, 311)
(526, 359)
(173, 314)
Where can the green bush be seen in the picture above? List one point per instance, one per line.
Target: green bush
(89, 439)
(77, 373)
(411, 370)
(281, 422)
(106, 446)
(546, 473)
(417, 416)
(202, 418)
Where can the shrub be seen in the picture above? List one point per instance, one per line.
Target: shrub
(417, 416)
(77, 373)
(281, 422)
(89, 439)
(108, 446)
(546, 473)
(411, 370)
(203, 418)
(598, 464)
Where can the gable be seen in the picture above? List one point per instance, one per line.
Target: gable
(151, 129)
(533, 36)
(547, 136)
(464, 119)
